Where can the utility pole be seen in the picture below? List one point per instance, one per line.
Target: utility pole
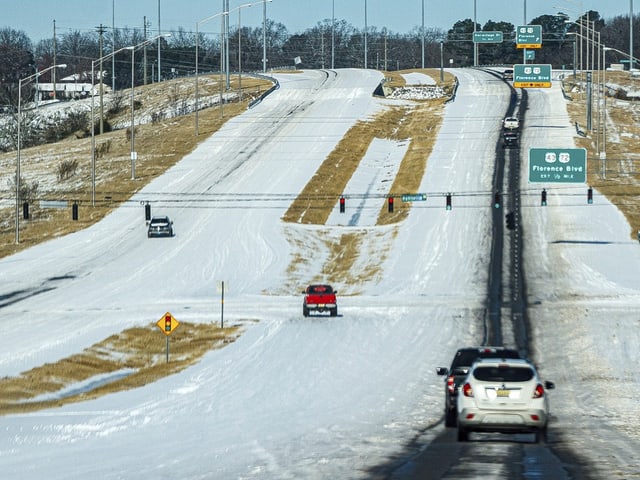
(101, 29)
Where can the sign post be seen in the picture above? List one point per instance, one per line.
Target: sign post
(220, 288)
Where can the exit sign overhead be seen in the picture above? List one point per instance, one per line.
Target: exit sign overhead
(531, 76)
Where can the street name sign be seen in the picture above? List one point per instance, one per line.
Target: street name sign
(532, 76)
(414, 197)
(487, 37)
(557, 165)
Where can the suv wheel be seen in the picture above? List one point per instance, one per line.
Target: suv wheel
(541, 435)
(450, 418)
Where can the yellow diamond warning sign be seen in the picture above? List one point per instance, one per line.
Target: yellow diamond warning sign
(167, 324)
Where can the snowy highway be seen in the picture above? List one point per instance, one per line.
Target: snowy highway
(352, 397)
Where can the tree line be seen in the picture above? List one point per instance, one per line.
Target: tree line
(328, 44)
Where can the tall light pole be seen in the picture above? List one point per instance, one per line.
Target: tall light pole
(475, 45)
(422, 33)
(365, 34)
(92, 126)
(197, 95)
(133, 126)
(333, 33)
(21, 82)
(441, 61)
(264, 36)
(595, 46)
(159, 35)
(566, 17)
(223, 14)
(630, 35)
(134, 154)
(603, 154)
(225, 19)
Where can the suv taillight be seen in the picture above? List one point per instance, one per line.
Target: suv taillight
(538, 392)
(467, 390)
(451, 383)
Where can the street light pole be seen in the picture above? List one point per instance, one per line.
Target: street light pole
(24, 81)
(603, 154)
(365, 34)
(422, 34)
(224, 14)
(93, 133)
(333, 34)
(240, 54)
(133, 127)
(134, 154)
(441, 61)
(197, 94)
(264, 36)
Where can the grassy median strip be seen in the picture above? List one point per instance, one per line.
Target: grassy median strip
(131, 359)
(417, 122)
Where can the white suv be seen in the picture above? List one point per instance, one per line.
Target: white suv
(505, 396)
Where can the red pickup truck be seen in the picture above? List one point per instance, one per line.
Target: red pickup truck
(319, 298)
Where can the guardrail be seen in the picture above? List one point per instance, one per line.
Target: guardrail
(276, 85)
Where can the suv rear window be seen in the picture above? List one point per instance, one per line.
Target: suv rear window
(506, 373)
(467, 357)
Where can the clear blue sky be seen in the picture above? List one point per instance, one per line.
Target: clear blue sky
(36, 17)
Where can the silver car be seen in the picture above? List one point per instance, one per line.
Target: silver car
(505, 396)
(160, 227)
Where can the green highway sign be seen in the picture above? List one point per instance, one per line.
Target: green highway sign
(414, 197)
(487, 37)
(558, 165)
(531, 76)
(529, 36)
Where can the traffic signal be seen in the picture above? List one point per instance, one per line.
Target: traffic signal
(448, 201)
(511, 220)
(390, 204)
(543, 198)
(590, 196)
(496, 200)
(342, 204)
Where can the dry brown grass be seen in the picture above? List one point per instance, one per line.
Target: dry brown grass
(135, 357)
(621, 183)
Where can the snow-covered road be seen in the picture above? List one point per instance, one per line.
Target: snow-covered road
(322, 397)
